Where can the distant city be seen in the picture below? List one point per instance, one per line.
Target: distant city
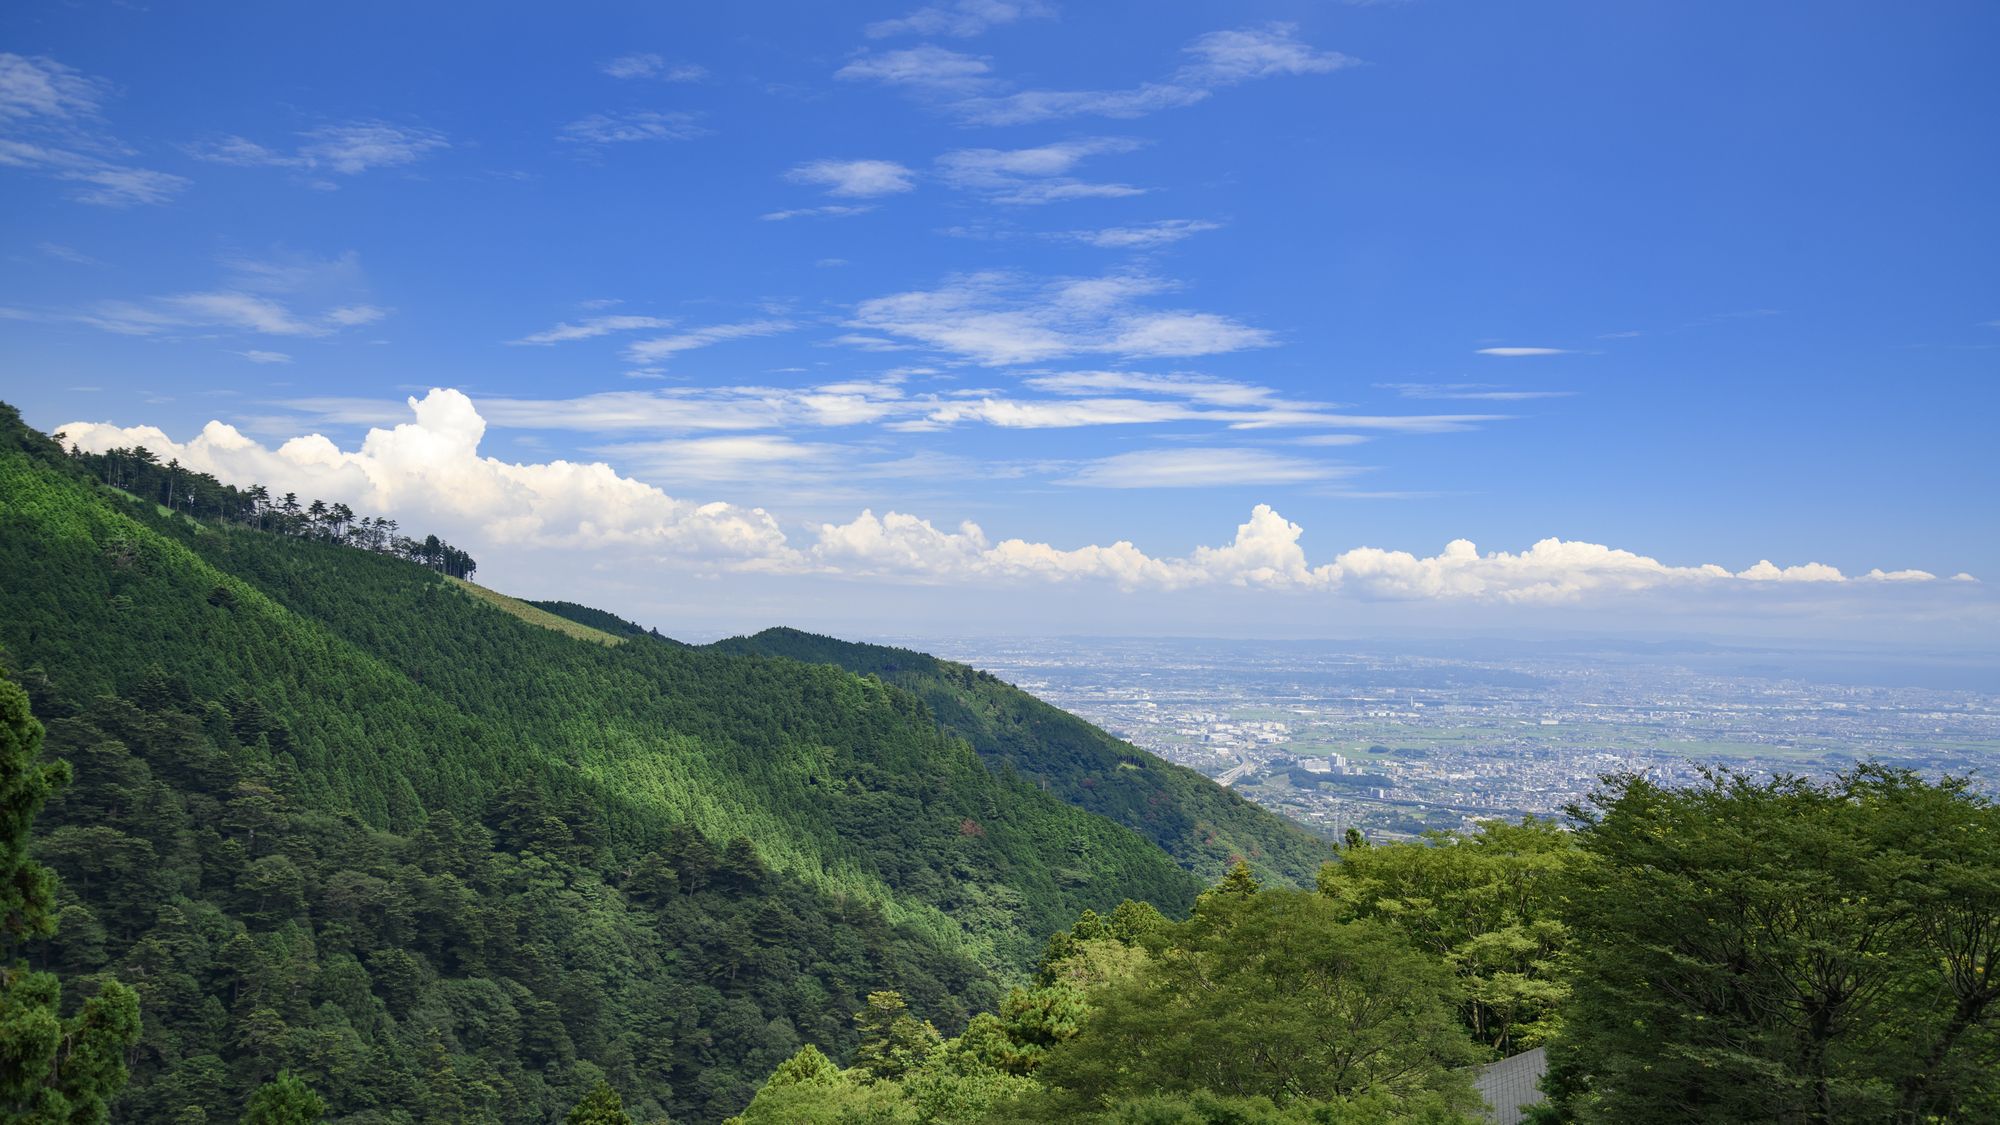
(1400, 742)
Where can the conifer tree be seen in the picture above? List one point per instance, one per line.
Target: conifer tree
(284, 1100)
(52, 1071)
(602, 1106)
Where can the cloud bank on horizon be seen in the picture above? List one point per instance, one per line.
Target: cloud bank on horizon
(430, 470)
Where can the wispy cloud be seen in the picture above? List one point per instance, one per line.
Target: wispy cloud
(1034, 175)
(960, 19)
(1202, 468)
(997, 318)
(830, 211)
(49, 117)
(927, 69)
(965, 87)
(271, 297)
(634, 125)
(223, 310)
(44, 88)
(648, 65)
(661, 348)
(1486, 392)
(349, 148)
(592, 328)
(258, 355)
(1144, 237)
(854, 177)
(70, 254)
(1516, 353)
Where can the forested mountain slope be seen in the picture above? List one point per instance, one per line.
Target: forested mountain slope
(1199, 823)
(453, 842)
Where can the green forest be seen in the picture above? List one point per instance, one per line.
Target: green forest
(295, 826)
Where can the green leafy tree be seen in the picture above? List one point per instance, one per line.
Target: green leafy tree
(284, 1100)
(1488, 904)
(602, 1106)
(1784, 951)
(1269, 993)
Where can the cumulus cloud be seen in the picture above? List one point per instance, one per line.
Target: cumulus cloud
(1266, 553)
(997, 318)
(427, 471)
(854, 177)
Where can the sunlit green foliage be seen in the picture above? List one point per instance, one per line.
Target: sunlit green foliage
(1206, 827)
(1784, 951)
(1488, 904)
(335, 817)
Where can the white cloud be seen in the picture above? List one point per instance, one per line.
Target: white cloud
(1216, 60)
(1145, 237)
(1266, 553)
(997, 319)
(1034, 175)
(1026, 107)
(1224, 58)
(227, 310)
(43, 87)
(47, 116)
(854, 177)
(103, 183)
(960, 19)
(1201, 468)
(258, 355)
(1513, 353)
(592, 328)
(636, 125)
(732, 457)
(429, 473)
(350, 316)
(1483, 392)
(70, 254)
(830, 211)
(661, 348)
(350, 148)
(933, 70)
(1198, 388)
(648, 65)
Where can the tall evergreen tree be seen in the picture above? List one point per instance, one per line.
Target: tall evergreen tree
(52, 1071)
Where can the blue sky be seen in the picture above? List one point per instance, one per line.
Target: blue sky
(1691, 283)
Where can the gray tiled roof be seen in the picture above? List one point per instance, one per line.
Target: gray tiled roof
(1510, 1085)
